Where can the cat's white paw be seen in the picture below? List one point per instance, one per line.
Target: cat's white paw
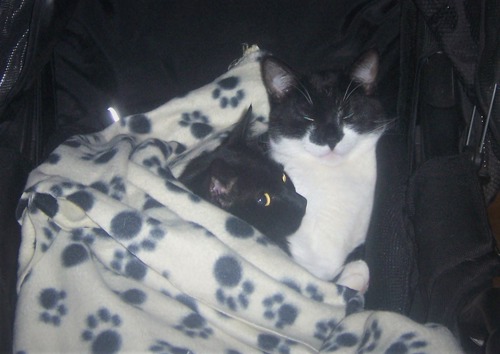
(356, 276)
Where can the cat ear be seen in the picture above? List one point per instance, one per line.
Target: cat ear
(365, 70)
(222, 181)
(241, 131)
(278, 78)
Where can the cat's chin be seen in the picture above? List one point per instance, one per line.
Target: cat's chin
(319, 151)
(324, 151)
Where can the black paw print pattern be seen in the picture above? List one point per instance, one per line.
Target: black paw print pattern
(355, 302)
(278, 311)
(227, 93)
(76, 252)
(137, 123)
(233, 292)
(130, 225)
(101, 332)
(407, 343)
(127, 263)
(149, 243)
(272, 343)
(49, 234)
(52, 303)
(370, 338)
(194, 325)
(164, 347)
(313, 292)
(115, 188)
(324, 328)
(197, 122)
(310, 290)
(87, 236)
(340, 339)
(155, 164)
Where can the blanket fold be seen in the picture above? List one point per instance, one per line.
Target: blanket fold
(117, 255)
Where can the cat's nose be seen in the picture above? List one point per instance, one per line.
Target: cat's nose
(302, 202)
(333, 137)
(332, 143)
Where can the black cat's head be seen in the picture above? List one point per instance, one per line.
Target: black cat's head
(247, 183)
(328, 111)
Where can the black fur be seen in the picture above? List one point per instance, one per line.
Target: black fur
(236, 176)
(326, 101)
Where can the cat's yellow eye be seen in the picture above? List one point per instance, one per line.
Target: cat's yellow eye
(283, 178)
(264, 200)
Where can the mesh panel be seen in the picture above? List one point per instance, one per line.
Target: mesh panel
(15, 19)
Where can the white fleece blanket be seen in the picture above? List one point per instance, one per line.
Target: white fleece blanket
(117, 256)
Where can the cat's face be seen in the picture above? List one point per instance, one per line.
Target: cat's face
(327, 112)
(239, 177)
(258, 191)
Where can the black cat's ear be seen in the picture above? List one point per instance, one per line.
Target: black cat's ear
(221, 184)
(241, 130)
(365, 70)
(278, 78)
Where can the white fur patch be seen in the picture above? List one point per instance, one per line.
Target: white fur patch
(339, 187)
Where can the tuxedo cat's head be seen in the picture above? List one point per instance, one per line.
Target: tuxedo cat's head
(328, 111)
(240, 178)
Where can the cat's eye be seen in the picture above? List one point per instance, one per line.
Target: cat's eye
(283, 178)
(309, 118)
(264, 200)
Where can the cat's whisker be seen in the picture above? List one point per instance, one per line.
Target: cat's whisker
(346, 99)
(384, 124)
(347, 90)
(348, 116)
(304, 93)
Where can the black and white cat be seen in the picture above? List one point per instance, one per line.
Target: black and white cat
(324, 129)
(238, 177)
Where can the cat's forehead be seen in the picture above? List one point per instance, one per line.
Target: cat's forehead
(324, 80)
(260, 173)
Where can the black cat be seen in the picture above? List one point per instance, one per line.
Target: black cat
(238, 177)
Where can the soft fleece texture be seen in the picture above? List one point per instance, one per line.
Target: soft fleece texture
(118, 256)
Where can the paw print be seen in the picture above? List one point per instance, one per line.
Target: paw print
(140, 232)
(236, 300)
(355, 302)
(324, 328)
(197, 122)
(194, 325)
(271, 343)
(313, 292)
(54, 309)
(277, 310)
(163, 347)
(371, 338)
(116, 188)
(49, 234)
(101, 332)
(407, 343)
(126, 263)
(59, 189)
(154, 164)
(340, 339)
(233, 292)
(87, 236)
(149, 242)
(226, 92)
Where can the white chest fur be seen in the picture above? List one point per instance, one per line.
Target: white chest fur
(339, 187)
